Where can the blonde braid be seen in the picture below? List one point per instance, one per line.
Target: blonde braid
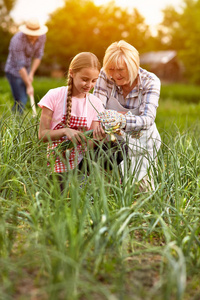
(69, 100)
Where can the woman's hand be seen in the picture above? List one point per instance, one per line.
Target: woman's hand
(111, 119)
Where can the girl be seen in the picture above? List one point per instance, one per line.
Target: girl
(68, 111)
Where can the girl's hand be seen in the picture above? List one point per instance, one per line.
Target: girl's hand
(98, 133)
(76, 136)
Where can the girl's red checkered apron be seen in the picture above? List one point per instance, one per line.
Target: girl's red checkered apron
(63, 164)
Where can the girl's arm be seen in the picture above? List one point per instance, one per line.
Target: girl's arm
(46, 133)
(99, 133)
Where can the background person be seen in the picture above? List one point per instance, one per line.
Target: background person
(123, 86)
(25, 53)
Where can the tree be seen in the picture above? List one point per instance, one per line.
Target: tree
(5, 24)
(183, 35)
(82, 26)
(5, 7)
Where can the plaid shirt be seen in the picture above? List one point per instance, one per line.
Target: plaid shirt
(149, 87)
(21, 53)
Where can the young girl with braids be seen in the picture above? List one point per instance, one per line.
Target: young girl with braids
(69, 111)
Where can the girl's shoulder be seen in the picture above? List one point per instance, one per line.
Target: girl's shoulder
(56, 94)
(57, 91)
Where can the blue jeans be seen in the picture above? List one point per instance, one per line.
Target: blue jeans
(18, 89)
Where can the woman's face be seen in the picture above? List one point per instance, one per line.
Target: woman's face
(119, 73)
(83, 81)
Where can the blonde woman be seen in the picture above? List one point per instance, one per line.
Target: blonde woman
(133, 93)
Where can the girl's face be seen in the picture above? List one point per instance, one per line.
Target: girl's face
(83, 81)
(119, 73)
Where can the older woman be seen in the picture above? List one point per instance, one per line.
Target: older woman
(133, 93)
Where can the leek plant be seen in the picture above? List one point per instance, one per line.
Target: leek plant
(101, 238)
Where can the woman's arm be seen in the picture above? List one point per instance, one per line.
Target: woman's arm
(147, 109)
(46, 133)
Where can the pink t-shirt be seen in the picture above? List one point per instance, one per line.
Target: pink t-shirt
(54, 100)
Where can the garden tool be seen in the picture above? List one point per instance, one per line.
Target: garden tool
(32, 101)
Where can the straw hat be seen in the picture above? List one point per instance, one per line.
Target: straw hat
(33, 28)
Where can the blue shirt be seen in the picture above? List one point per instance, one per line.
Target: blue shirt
(21, 53)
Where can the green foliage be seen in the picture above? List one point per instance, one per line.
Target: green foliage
(41, 86)
(80, 25)
(9, 4)
(188, 93)
(83, 26)
(5, 25)
(5, 37)
(5, 8)
(100, 239)
(183, 30)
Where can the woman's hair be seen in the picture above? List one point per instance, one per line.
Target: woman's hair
(119, 51)
(80, 61)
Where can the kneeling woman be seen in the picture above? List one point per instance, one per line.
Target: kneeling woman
(133, 93)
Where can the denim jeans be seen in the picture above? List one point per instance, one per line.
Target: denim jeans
(18, 89)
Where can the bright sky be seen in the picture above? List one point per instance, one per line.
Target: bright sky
(25, 9)
(150, 9)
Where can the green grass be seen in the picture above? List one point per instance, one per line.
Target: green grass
(41, 86)
(187, 93)
(99, 239)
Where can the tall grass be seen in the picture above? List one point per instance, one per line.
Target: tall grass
(99, 239)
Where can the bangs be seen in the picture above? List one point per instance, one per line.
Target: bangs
(113, 61)
(120, 53)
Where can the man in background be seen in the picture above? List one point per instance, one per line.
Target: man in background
(25, 53)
